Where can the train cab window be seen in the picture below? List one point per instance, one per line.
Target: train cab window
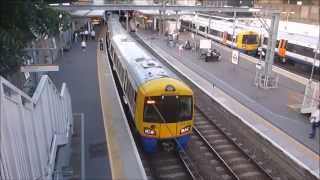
(249, 39)
(171, 108)
(202, 29)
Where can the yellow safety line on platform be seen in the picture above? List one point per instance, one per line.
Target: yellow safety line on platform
(112, 144)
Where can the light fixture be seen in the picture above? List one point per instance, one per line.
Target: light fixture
(254, 10)
(149, 131)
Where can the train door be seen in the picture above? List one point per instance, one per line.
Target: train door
(125, 79)
(282, 47)
(224, 37)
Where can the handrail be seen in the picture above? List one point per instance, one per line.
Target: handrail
(32, 128)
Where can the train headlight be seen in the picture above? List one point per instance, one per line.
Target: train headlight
(149, 131)
(185, 129)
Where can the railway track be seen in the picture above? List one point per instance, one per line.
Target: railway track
(169, 165)
(230, 161)
(233, 157)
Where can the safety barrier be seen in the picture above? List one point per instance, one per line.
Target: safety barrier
(32, 128)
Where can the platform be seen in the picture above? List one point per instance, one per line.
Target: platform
(125, 162)
(268, 112)
(79, 69)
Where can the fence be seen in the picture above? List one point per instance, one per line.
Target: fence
(32, 128)
(46, 51)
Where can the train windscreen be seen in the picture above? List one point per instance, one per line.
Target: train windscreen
(172, 109)
(249, 39)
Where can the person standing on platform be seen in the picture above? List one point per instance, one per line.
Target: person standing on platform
(81, 35)
(76, 36)
(315, 122)
(101, 44)
(180, 49)
(86, 34)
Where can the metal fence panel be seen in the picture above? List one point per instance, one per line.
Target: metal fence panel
(29, 128)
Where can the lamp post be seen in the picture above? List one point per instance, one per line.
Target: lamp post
(60, 32)
(234, 29)
(287, 17)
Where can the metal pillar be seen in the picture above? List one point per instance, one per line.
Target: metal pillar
(208, 28)
(127, 20)
(197, 23)
(265, 78)
(177, 19)
(234, 27)
(316, 52)
(159, 21)
(155, 24)
(273, 33)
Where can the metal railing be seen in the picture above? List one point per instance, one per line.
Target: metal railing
(32, 128)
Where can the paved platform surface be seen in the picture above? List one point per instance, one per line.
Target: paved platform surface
(79, 70)
(274, 105)
(248, 109)
(125, 162)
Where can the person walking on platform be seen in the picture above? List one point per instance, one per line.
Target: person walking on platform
(315, 122)
(101, 44)
(93, 34)
(83, 45)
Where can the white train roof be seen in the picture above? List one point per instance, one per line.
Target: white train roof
(296, 33)
(142, 66)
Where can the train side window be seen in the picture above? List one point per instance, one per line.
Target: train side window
(125, 80)
(229, 37)
(265, 40)
(277, 43)
(300, 50)
(121, 71)
(111, 49)
(115, 60)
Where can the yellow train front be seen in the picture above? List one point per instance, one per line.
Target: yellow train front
(247, 42)
(164, 115)
(159, 102)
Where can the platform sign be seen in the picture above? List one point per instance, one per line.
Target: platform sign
(39, 68)
(317, 63)
(27, 75)
(235, 57)
(205, 44)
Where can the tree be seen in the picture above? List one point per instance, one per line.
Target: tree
(21, 22)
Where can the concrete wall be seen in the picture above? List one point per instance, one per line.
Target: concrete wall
(304, 13)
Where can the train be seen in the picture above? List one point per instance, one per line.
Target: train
(160, 104)
(244, 40)
(291, 47)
